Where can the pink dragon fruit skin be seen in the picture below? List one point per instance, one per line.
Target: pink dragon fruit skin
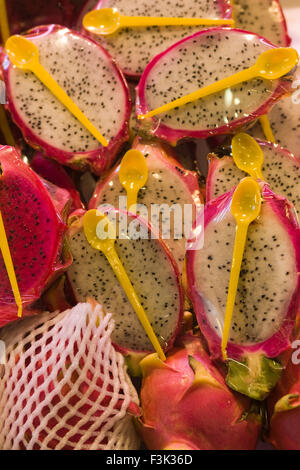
(56, 174)
(35, 230)
(172, 134)
(99, 159)
(186, 404)
(280, 340)
(284, 408)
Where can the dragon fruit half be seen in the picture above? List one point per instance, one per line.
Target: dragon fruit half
(64, 387)
(264, 17)
(284, 407)
(168, 183)
(186, 404)
(281, 170)
(92, 80)
(195, 62)
(35, 230)
(268, 295)
(134, 48)
(284, 119)
(151, 269)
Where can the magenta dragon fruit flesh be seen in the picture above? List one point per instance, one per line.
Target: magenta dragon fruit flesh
(195, 62)
(134, 48)
(263, 17)
(92, 80)
(150, 267)
(268, 293)
(168, 183)
(280, 169)
(35, 231)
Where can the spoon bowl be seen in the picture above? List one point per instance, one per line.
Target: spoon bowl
(247, 155)
(276, 63)
(246, 201)
(99, 232)
(133, 175)
(104, 21)
(22, 53)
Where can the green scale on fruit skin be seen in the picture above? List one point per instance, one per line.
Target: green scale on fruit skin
(152, 275)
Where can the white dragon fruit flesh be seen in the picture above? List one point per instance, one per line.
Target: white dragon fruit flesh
(134, 48)
(93, 81)
(198, 61)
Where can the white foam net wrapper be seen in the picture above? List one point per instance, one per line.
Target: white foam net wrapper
(64, 386)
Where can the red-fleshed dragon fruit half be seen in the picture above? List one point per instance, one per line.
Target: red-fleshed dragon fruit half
(198, 61)
(92, 80)
(169, 184)
(186, 404)
(151, 269)
(280, 169)
(268, 294)
(263, 17)
(56, 174)
(134, 48)
(284, 119)
(284, 406)
(64, 387)
(35, 230)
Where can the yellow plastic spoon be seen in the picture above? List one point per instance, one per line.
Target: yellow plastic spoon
(133, 175)
(270, 65)
(9, 266)
(245, 208)
(266, 127)
(4, 26)
(107, 246)
(24, 54)
(108, 20)
(247, 155)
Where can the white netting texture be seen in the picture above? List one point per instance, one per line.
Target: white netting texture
(64, 386)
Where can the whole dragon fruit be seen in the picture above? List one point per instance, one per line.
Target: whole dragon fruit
(284, 405)
(56, 174)
(168, 184)
(35, 229)
(64, 387)
(195, 62)
(280, 169)
(92, 80)
(264, 17)
(186, 404)
(268, 293)
(151, 269)
(134, 48)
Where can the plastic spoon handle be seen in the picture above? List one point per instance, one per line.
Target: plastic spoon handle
(136, 21)
(238, 252)
(4, 26)
(121, 274)
(9, 266)
(227, 82)
(266, 127)
(42, 74)
(132, 196)
(6, 131)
